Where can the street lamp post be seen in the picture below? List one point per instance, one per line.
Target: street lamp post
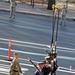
(52, 39)
(56, 9)
(53, 27)
(57, 30)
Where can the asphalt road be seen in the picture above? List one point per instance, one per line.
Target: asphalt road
(31, 36)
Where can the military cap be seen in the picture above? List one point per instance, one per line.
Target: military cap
(40, 63)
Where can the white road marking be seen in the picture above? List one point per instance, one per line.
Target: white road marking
(36, 45)
(24, 52)
(66, 71)
(61, 69)
(23, 64)
(39, 54)
(24, 42)
(62, 49)
(19, 58)
(4, 69)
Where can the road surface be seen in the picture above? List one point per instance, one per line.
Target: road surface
(31, 36)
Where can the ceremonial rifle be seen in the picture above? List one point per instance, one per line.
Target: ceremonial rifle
(35, 66)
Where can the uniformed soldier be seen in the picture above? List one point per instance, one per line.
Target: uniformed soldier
(52, 62)
(15, 68)
(63, 15)
(46, 69)
(12, 8)
(48, 60)
(40, 67)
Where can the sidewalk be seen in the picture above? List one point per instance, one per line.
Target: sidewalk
(37, 10)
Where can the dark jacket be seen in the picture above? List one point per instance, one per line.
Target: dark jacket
(46, 70)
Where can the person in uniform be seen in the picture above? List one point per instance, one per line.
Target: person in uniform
(15, 68)
(63, 15)
(46, 69)
(48, 60)
(40, 67)
(12, 8)
(52, 62)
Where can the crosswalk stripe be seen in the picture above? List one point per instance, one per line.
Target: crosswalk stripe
(7, 67)
(23, 64)
(4, 69)
(66, 71)
(36, 45)
(39, 54)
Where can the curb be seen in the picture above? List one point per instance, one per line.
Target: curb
(26, 12)
(37, 14)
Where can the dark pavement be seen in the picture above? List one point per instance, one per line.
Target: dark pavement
(31, 35)
(37, 10)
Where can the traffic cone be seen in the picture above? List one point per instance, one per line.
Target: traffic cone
(9, 49)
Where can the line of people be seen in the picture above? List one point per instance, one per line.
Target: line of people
(48, 66)
(45, 67)
(63, 14)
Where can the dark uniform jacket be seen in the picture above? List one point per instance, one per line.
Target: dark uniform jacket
(46, 70)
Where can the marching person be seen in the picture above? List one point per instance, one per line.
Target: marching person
(12, 8)
(46, 69)
(15, 68)
(63, 15)
(52, 63)
(40, 67)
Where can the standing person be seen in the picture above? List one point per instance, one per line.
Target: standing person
(54, 63)
(63, 15)
(15, 68)
(46, 69)
(12, 8)
(40, 67)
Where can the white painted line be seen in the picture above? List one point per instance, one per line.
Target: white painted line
(66, 48)
(25, 45)
(24, 52)
(5, 73)
(19, 58)
(29, 46)
(37, 45)
(4, 69)
(66, 71)
(63, 68)
(39, 54)
(24, 42)
(62, 49)
(4, 66)
(23, 64)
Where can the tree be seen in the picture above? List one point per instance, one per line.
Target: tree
(50, 3)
